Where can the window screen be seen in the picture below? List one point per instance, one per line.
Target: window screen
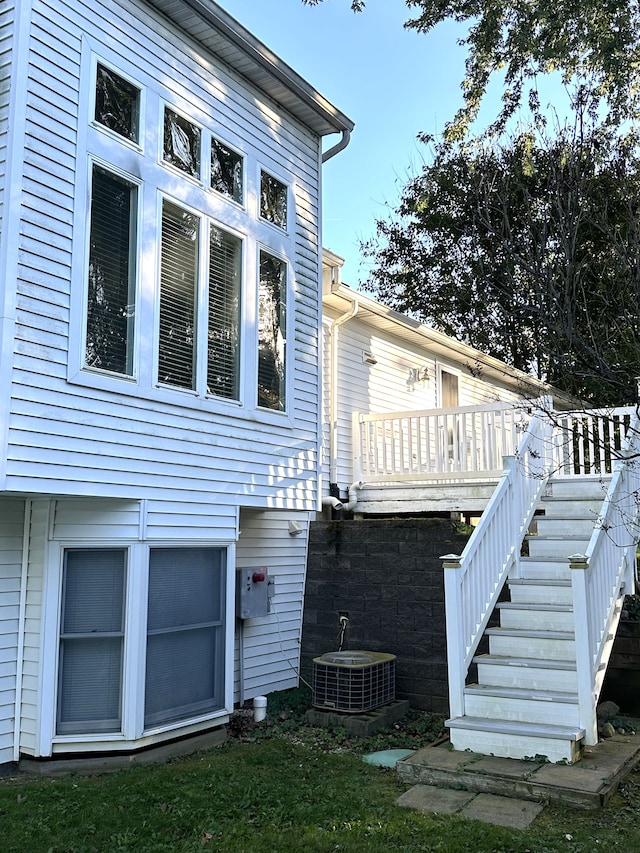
(91, 641)
(185, 639)
(111, 285)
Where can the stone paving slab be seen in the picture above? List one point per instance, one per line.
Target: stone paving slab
(502, 811)
(428, 798)
(509, 767)
(577, 778)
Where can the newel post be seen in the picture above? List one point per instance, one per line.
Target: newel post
(579, 565)
(455, 633)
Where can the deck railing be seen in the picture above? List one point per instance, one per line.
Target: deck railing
(455, 443)
(473, 581)
(604, 574)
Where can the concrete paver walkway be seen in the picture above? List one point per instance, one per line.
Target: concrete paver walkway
(510, 792)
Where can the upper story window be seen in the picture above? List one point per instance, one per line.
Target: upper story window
(175, 251)
(117, 104)
(226, 171)
(111, 280)
(181, 146)
(273, 200)
(272, 332)
(187, 318)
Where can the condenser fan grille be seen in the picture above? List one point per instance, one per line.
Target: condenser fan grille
(353, 681)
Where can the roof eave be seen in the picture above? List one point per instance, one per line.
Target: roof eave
(224, 36)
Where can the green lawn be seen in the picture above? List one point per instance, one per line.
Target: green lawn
(291, 789)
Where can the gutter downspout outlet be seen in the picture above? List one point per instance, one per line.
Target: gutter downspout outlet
(353, 497)
(334, 503)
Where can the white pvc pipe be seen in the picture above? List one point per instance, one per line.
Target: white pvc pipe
(259, 708)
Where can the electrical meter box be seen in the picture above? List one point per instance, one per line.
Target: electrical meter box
(254, 589)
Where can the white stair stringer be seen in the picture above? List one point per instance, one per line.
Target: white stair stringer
(525, 701)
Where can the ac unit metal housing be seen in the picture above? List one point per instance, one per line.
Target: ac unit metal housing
(353, 681)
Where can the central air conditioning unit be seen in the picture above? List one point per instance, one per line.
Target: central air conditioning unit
(353, 682)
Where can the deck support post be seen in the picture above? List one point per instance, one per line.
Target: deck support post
(579, 565)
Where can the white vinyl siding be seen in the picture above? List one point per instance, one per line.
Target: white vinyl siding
(6, 56)
(205, 450)
(271, 644)
(11, 534)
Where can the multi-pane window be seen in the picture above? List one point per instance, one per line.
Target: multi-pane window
(91, 641)
(182, 322)
(117, 103)
(272, 332)
(181, 143)
(185, 634)
(111, 279)
(226, 171)
(223, 333)
(273, 200)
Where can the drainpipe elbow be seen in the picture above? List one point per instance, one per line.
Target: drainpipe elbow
(334, 503)
(354, 488)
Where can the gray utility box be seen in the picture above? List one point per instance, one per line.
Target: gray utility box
(254, 589)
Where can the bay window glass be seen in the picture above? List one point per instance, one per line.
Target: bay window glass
(91, 641)
(272, 332)
(185, 634)
(111, 279)
(223, 334)
(178, 288)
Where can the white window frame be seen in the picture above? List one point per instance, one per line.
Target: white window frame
(135, 637)
(114, 67)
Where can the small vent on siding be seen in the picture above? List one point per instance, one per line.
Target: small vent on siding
(369, 357)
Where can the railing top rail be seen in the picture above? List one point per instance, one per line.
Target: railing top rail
(485, 407)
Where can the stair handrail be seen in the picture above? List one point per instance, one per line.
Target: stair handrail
(603, 575)
(473, 580)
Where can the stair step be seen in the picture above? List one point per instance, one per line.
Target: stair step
(578, 488)
(555, 528)
(540, 590)
(521, 704)
(526, 673)
(546, 567)
(558, 546)
(548, 645)
(555, 617)
(576, 507)
(511, 739)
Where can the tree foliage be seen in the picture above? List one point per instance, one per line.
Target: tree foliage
(529, 251)
(585, 40)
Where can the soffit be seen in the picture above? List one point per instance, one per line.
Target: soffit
(221, 34)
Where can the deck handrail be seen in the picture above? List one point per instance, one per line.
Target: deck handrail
(473, 581)
(456, 443)
(604, 574)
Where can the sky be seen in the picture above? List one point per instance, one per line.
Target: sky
(392, 82)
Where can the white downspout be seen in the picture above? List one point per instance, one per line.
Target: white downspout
(22, 618)
(333, 392)
(354, 488)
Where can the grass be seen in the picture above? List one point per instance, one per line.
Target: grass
(279, 788)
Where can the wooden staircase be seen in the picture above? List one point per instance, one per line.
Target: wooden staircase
(525, 700)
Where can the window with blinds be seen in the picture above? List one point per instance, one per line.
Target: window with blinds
(272, 332)
(223, 334)
(111, 279)
(178, 288)
(91, 641)
(185, 634)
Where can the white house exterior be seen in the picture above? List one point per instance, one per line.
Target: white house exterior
(377, 363)
(159, 383)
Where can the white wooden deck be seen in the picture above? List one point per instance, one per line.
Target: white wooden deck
(450, 460)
